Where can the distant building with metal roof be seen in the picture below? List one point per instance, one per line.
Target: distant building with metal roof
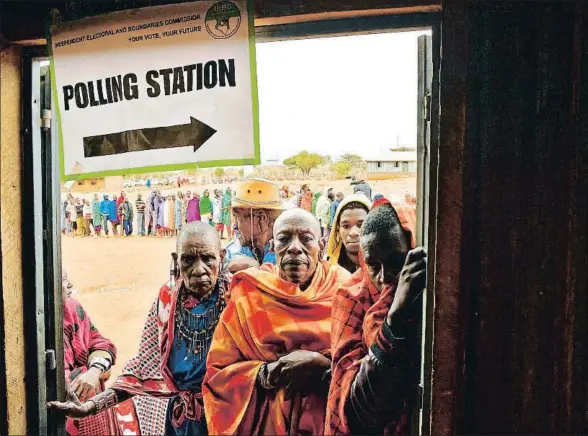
(390, 163)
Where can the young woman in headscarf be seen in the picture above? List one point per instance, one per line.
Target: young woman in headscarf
(343, 248)
(165, 377)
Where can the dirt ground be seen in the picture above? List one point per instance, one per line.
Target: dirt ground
(117, 279)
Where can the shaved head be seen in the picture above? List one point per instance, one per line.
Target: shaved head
(198, 230)
(297, 217)
(382, 220)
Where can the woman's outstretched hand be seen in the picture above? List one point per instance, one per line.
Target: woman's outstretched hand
(72, 406)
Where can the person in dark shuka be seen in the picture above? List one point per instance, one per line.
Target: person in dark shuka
(374, 336)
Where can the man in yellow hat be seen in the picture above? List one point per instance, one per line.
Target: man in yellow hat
(256, 205)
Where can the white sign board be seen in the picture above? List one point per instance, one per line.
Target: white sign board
(156, 89)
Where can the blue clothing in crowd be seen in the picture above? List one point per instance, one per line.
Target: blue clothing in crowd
(334, 207)
(236, 249)
(112, 212)
(104, 207)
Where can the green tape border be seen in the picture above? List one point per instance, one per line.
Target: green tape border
(256, 160)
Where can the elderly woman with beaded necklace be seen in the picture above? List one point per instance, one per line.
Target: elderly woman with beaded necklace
(171, 361)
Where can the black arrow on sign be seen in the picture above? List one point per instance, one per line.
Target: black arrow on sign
(195, 133)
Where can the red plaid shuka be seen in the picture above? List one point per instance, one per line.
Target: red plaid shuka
(359, 310)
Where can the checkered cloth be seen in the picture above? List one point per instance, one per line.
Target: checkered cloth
(147, 374)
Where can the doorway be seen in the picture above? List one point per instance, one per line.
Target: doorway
(44, 164)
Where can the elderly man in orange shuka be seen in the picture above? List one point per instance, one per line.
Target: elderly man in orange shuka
(268, 366)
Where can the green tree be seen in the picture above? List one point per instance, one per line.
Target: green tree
(219, 172)
(305, 161)
(341, 169)
(354, 159)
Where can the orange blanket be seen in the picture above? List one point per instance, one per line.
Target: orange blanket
(265, 319)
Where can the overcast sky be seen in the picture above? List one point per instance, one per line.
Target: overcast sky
(336, 95)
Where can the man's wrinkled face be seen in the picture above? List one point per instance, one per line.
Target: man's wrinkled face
(384, 255)
(350, 228)
(200, 261)
(251, 224)
(188, 194)
(297, 246)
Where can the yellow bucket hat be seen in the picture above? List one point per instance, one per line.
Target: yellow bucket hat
(257, 194)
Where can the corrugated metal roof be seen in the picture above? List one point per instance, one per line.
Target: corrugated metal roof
(393, 156)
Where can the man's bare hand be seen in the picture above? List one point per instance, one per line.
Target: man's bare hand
(410, 286)
(297, 371)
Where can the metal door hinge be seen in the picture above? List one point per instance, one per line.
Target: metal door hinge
(46, 119)
(427, 107)
(50, 360)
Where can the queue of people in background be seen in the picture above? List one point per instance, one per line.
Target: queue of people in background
(272, 335)
(158, 215)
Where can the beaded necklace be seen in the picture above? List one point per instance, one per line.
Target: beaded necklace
(196, 330)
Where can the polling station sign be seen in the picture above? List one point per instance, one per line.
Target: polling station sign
(156, 89)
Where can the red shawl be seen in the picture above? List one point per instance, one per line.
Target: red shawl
(80, 341)
(358, 313)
